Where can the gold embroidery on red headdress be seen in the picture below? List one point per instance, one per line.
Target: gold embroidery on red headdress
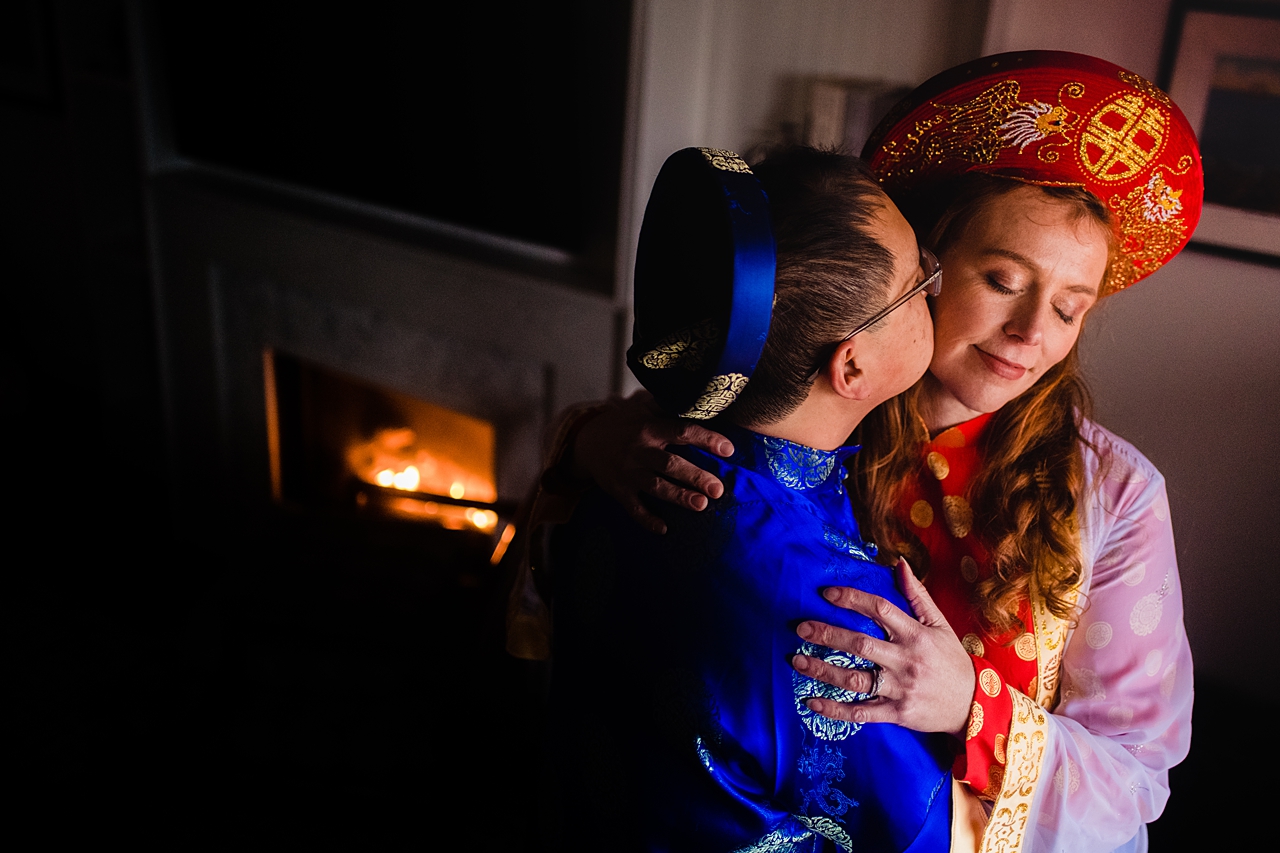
(1054, 119)
(1146, 86)
(976, 130)
(1151, 228)
(1123, 137)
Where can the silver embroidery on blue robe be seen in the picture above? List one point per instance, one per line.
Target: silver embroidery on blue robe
(824, 766)
(796, 835)
(807, 688)
(796, 466)
(785, 839)
(704, 754)
(862, 550)
(829, 829)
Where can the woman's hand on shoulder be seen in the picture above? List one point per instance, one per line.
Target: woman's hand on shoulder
(926, 677)
(623, 449)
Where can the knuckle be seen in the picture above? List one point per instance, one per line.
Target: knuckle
(823, 635)
(842, 596)
(665, 491)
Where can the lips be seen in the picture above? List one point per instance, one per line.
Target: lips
(1000, 367)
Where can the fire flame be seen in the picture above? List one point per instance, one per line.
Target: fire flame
(394, 459)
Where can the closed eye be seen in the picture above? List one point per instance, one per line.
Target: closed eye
(993, 281)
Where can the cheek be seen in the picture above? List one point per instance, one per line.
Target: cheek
(954, 320)
(1063, 345)
(922, 331)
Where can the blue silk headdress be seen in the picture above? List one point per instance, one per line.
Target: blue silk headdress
(703, 283)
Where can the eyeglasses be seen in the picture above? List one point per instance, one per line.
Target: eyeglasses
(932, 284)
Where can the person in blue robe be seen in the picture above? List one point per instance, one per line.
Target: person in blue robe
(679, 722)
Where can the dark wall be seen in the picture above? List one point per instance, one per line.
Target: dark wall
(230, 679)
(88, 594)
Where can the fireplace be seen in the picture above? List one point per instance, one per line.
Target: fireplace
(339, 443)
(359, 412)
(345, 600)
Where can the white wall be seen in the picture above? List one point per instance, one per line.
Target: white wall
(1128, 33)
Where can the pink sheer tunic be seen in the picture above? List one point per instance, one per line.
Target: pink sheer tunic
(1123, 716)
(1116, 686)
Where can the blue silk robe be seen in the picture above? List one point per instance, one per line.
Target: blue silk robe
(679, 722)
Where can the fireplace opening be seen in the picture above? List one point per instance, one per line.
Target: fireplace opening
(340, 443)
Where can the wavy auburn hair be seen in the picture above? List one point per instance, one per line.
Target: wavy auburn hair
(1027, 496)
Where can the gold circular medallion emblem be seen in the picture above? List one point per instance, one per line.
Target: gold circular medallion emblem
(921, 514)
(959, 515)
(938, 464)
(969, 569)
(1025, 646)
(975, 721)
(1000, 746)
(972, 644)
(990, 682)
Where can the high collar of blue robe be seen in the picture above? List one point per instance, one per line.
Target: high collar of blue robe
(796, 466)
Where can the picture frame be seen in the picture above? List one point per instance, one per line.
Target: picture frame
(1221, 66)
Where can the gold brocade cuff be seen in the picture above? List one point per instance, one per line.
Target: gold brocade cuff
(1028, 738)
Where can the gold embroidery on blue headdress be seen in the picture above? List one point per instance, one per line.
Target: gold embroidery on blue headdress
(719, 394)
(725, 160)
(686, 347)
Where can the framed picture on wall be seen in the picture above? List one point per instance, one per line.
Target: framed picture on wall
(1222, 67)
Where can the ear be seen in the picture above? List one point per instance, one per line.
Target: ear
(846, 372)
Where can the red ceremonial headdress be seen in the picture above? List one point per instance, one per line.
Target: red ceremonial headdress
(1054, 119)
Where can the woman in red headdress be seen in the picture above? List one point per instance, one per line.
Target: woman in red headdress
(1045, 182)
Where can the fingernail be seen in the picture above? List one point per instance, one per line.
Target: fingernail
(830, 593)
(699, 502)
(726, 449)
(800, 662)
(658, 528)
(805, 630)
(716, 491)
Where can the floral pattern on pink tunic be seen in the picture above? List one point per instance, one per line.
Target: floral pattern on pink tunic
(1123, 710)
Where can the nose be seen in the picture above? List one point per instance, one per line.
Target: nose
(1029, 321)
